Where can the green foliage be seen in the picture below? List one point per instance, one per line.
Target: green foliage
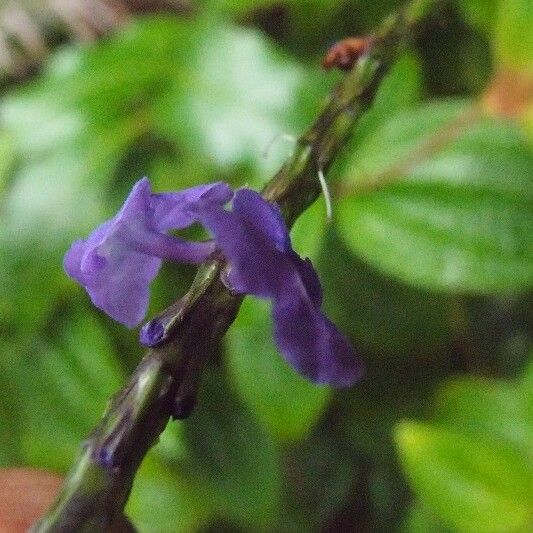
(286, 403)
(447, 206)
(383, 316)
(482, 14)
(10, 432)
(239, 7)
(431, 202)
(60, 387)
(7, 158)
(400, 90)
(420, 520)
(496, 410)
(320, 476)
(238, 466)
(209, 105)
(473, 466)
(161, 502)
(472, 485)
(514, 38)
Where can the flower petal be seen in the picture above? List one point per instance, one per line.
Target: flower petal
(122, 291)
(264, 216)
(255, 241)
(256, 267)
(312, 344)
(72, 261)
(119, 259)
(176, 210)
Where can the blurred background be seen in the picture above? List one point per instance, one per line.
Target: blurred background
(427, 265)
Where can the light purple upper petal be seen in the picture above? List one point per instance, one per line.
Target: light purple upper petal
(119, 259)
(176, 210)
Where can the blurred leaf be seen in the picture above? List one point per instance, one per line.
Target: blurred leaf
(7, 158)
(372, 13)
(64, 388)
(319, 474)
(481, 407)
(40, 205)
(287, 404)
(233, 93)
(480, 454)
(380, 314)
(526, 386)
(162, 502)
(240, 7)
(447, 205)
(74, 126)
(10, 420)
(482, 14)
(69, 143)
(472, 484)
(309, 230)
(232, 457)
(514, 38)
(421, 520)
(28, 286)
(401, 131)
(392, 389)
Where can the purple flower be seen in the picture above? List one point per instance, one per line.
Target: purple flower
(255, 240)
(119, 259)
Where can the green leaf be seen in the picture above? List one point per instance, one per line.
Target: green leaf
(402, 131)
(7, 158)
(514, 38)
(473, 484)
(64, 388)
(482, 14)
(526, 386)
(241, 7)
(421, 520)
(321, 474)
(448, 205)
(233, 92)
(380, 314)
(74, 126)
(231, 457)
(286, 404)
(309, 230)
(67, 153)
(10, 420)
(32, 278)
(492, 409)
(392, 389)
(162, 502)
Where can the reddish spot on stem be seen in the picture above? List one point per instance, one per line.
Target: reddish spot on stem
(345, 53)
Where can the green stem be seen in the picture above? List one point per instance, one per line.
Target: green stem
(98, 485)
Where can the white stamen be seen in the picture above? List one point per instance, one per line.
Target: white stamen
(327, 196)
(285, 136)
